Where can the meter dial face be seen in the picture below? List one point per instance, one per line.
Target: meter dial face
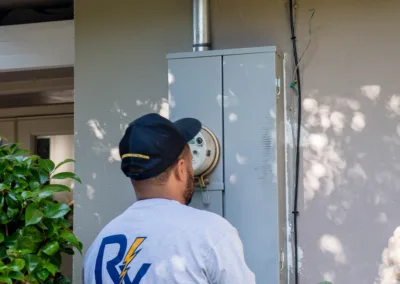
(204, 148)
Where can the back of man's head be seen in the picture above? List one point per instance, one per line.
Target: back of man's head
(175, 183)
(156, 157)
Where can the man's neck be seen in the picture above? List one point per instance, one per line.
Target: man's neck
(148, 196)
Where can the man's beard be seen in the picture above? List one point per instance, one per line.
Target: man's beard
(188, 194)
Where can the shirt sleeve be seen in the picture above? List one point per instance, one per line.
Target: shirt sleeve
(226, 264)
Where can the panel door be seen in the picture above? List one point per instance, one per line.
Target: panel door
(250, 158)
(195, 90)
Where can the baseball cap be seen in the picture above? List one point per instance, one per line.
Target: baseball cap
(153, 143)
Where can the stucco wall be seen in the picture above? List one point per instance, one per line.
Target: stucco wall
(350, 160)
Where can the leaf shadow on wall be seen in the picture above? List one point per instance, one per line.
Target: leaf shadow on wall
(351, 181)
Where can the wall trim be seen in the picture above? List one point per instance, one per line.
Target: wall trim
(37, 85)
(61, 109)
(37, 46)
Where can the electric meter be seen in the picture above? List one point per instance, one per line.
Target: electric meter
(205, 151)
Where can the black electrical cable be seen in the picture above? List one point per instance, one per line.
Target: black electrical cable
(297, 169)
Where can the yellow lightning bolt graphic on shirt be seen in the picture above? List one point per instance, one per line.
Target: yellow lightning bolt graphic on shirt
(132, 253)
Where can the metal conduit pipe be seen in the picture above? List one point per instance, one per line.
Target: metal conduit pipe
(201, 25)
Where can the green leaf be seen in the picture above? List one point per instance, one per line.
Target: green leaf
(27, 194)
(11, 252)
(51, 248)
(34, 185)
(21, 184)
(37, 229)
(2, 169)
(33, 234)
(32, 279)
(69, 251)
(56, 260)
(40, 175)
(42, 226)
(29, 160)
(4, 218)
(10, 167)
(3, 252)
(31, 262)
(13, 147)
(65, 162)
(50, 189)
(65, 175)
(9, 178)
(62, 279)
(51, 268)
(25, 245)
(12, 200)
(52, 227)
(43, 177)
(17, 275)
(46, 165)
(11, 213)
(4, 186)
(64, 223)
(5, 279)
(71, 238)
(56, 210)
(32, 215)
(43, 274)
(17, 265)
(21, 172)
(20, 152)
(10, 240)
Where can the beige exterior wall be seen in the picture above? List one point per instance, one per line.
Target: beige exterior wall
(350, 181)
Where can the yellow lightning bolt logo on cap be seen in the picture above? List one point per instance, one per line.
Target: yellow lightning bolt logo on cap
(132, 253)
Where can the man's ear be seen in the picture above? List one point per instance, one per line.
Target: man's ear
(180, 170)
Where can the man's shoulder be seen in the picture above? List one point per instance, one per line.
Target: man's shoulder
(108, 230)
(206, 219)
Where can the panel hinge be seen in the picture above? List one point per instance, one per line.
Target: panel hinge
(278, 87)
(281, 260)
(278, 82)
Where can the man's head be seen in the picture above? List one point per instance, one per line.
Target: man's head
(157, 158)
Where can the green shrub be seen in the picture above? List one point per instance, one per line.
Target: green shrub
(33, 228)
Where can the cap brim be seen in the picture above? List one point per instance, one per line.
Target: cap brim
(188, 127)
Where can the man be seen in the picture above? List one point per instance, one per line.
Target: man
(160, 239)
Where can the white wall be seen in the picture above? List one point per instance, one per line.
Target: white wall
(10, 117)
(7, 130)
(350, 162)
(36, 46)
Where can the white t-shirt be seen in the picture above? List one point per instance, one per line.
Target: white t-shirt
(162, 241)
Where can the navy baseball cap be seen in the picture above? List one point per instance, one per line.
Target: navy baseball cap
(153, 143)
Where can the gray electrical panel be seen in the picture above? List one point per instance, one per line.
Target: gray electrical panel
(238, 95)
